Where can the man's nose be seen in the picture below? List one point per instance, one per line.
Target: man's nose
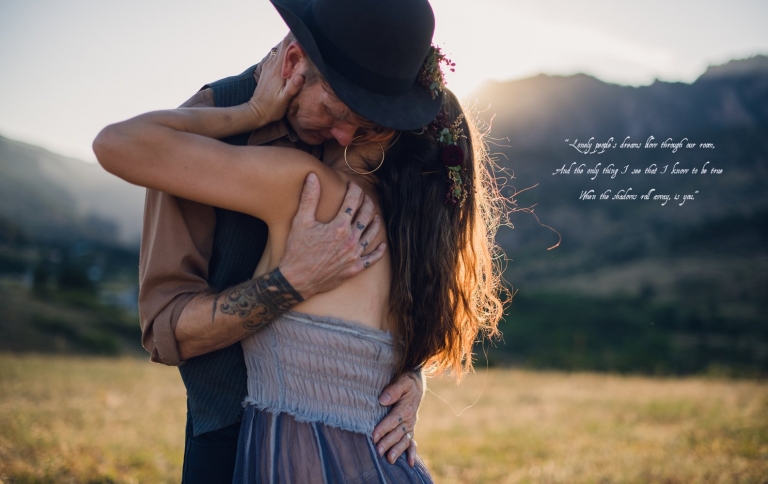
(344, 133)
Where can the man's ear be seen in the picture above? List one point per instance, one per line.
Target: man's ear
(294, 62)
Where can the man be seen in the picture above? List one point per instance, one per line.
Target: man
(359, 80)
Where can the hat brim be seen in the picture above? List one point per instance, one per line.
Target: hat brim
(412, 110)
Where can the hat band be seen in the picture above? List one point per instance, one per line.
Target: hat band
(350, 69)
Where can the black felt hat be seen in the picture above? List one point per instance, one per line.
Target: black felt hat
(370, 52)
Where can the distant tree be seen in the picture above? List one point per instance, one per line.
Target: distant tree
(73, 277)
(40, 279)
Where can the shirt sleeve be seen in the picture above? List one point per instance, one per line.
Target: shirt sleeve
(176, 245)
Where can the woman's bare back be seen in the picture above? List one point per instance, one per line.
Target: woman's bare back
(363, 298)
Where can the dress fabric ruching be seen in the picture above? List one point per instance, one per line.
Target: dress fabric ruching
(313, 389)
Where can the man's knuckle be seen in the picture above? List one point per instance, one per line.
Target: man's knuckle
(341, 231)
(350, 247)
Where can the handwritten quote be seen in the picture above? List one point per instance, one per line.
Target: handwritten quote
(591, 147)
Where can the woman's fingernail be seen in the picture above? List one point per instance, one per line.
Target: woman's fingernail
(376, 437)
(311, 179)
(385, 399)
(381, 451)
(392, 458)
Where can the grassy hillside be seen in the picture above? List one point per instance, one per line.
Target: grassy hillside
(95, 420)
(631, 334)
(69, 322)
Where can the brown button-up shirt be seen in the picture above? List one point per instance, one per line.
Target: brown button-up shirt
(176, 246)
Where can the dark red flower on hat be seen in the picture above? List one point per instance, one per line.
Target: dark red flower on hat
(453, 155)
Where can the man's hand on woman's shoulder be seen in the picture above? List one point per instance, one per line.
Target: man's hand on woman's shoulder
(318, 256)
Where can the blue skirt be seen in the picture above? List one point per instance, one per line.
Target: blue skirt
(276, 448)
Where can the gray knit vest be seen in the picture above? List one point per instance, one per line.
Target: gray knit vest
(217, 382)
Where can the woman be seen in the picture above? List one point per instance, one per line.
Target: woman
(315, 373)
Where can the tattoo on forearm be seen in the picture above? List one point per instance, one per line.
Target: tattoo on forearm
(260, 300)
(213, 308)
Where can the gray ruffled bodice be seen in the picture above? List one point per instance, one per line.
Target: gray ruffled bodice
(320, 369)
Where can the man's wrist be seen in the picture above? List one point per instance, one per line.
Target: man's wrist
(297, 280)
(259, 301)
(270, 294)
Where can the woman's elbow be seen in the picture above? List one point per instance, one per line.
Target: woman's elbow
(106, 148)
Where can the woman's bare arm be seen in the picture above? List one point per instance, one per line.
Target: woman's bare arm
(170, 151)
(178, 152)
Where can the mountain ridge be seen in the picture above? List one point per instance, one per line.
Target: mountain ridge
(536, 110)
(51, 196)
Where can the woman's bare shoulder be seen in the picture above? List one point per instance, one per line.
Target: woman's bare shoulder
(287, 172)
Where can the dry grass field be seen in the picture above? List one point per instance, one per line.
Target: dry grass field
(67, 420)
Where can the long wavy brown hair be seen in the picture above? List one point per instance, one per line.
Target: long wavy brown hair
(446, 277)
(446, 289)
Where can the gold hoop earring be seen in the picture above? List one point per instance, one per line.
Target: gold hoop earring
(366, 172)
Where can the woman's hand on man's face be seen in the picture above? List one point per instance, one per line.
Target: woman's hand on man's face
(273, 93)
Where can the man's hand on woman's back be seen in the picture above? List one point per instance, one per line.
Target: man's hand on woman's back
(318, 256)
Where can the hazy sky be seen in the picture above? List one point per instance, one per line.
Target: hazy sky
(69, 67)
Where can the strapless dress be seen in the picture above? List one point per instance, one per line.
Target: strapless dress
(313, 389)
